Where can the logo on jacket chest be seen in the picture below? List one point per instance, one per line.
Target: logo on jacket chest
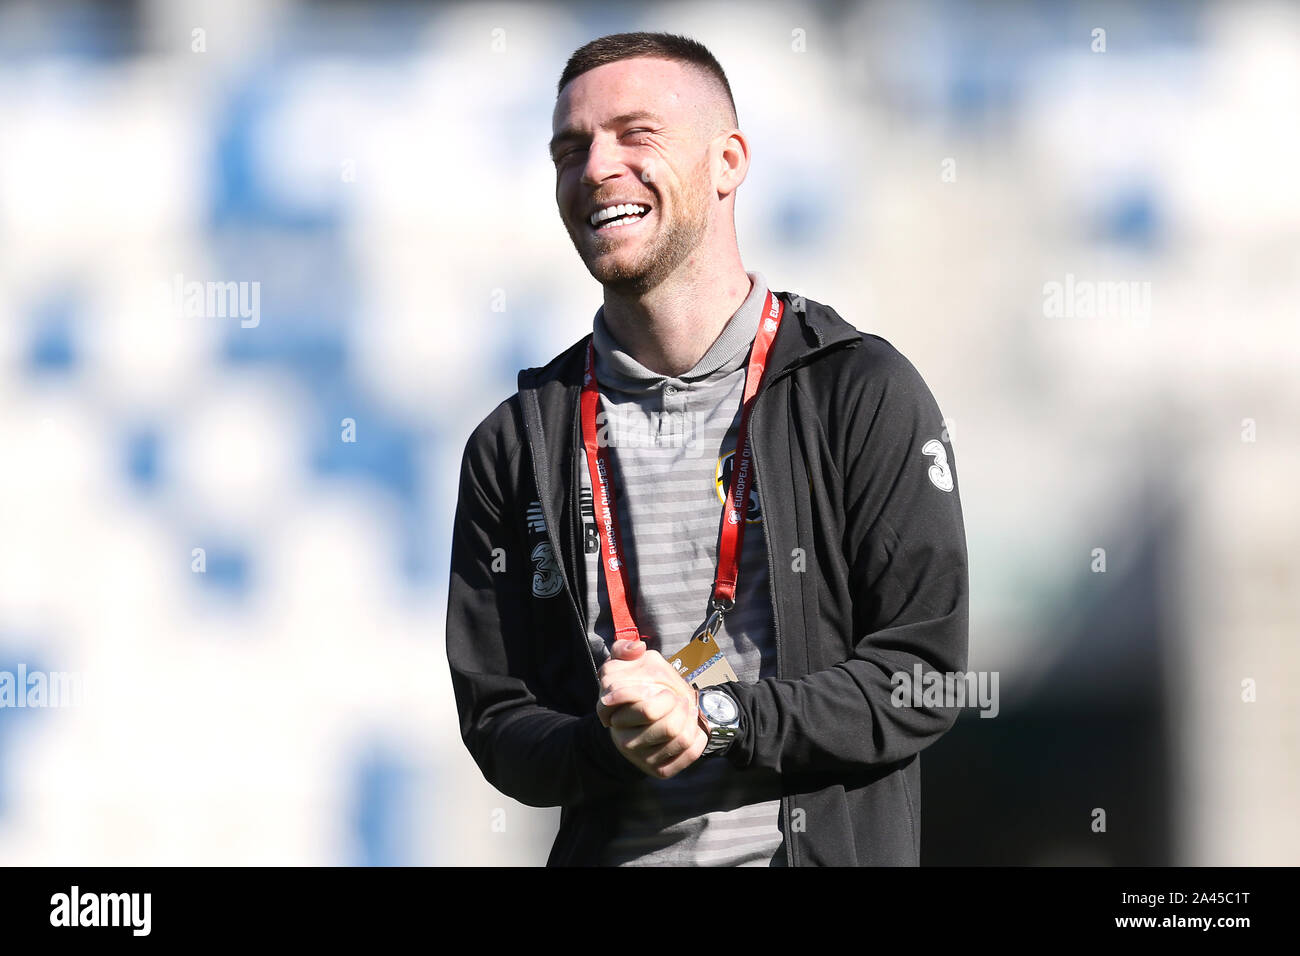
(547, 580)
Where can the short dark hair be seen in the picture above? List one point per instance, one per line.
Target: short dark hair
(664, 46)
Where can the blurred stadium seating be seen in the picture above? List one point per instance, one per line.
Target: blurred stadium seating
(379, 171)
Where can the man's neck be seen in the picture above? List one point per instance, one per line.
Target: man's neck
(669, 328)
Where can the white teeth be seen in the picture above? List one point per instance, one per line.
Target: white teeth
(616, 212)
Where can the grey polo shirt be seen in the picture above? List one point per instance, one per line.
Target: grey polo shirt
(672, 441)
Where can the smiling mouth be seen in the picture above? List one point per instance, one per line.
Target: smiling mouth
(616, 215)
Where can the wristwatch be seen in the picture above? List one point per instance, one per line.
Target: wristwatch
(719, 718)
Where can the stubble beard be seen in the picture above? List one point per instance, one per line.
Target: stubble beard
(665, 252)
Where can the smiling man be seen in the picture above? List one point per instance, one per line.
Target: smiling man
(686, 635)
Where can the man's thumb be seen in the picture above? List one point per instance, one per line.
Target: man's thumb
(627, 650)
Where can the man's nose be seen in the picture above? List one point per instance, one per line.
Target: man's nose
(602, 163)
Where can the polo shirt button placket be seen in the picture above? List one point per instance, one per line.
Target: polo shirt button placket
(673, 401)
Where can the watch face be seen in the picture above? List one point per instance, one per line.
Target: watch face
(719, 707)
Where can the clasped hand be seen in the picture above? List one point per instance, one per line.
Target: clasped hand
(650, 711)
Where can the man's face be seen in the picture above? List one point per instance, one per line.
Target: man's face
(629, 133)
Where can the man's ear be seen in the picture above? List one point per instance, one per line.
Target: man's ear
(732, 163)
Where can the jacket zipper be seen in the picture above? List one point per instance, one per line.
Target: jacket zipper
(776, 609)
(792, 853)
(575, 534)
(553, 535)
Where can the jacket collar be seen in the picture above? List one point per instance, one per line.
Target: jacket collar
(807, 328)
(818, 329)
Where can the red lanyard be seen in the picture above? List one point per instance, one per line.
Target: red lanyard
(733, 512)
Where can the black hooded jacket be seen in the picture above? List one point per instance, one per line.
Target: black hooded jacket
(867, 559)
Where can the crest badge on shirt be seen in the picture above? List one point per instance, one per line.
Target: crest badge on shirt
(722, 480)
